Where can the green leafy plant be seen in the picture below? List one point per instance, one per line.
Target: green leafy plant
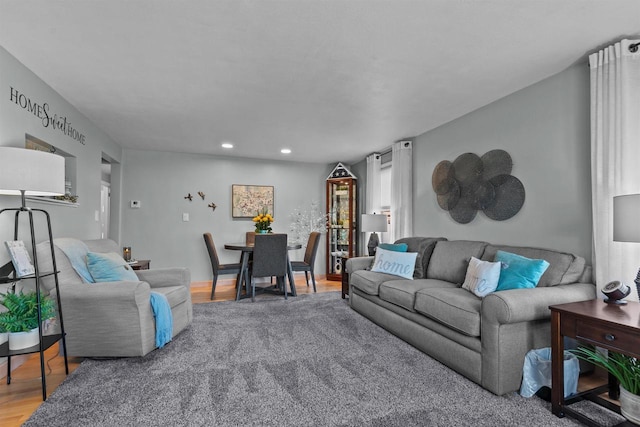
(22, 311)
(626, 369)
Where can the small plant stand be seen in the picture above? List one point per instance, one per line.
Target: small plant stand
(45, 341)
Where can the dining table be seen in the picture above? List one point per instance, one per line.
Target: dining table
(244, 276)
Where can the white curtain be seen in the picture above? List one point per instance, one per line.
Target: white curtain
(372, 195)
(401, 190)
(615, 157)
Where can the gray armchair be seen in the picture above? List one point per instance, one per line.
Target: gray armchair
(114, 319)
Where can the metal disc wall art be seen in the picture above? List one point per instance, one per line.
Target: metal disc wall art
(471, 183)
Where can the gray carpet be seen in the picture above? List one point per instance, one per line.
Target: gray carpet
(307, 361)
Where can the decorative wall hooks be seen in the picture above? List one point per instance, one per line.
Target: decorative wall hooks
(189, 197)
(212, 206)
(473, 183)
(201, 194)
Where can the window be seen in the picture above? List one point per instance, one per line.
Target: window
(385, 186)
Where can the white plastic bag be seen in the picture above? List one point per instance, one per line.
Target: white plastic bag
(536, 372)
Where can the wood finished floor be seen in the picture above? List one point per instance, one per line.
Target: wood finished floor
(23, 396)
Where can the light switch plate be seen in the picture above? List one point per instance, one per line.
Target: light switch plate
(185, 217)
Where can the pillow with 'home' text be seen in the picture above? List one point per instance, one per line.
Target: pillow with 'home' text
(397, 263)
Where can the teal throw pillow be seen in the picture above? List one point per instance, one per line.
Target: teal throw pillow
(519, 272)
(397, 263)
(109, 267)
(396, 247)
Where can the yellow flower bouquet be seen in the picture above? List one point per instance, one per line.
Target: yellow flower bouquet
(263, 221)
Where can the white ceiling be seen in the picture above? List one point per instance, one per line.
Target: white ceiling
(332, 80)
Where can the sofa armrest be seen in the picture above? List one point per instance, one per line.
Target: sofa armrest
(522, 305)
(108, 319)
(358, 263)
(82, 296)
(162, 277)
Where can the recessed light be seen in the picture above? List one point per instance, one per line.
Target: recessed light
(286, 151)
(227, 145)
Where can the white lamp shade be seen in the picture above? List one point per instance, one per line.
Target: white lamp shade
(35, 172)
(373, 223)
(626, 226)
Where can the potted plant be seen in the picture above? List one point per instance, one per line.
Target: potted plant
(4, 336)
(626, 370)
(21, 318)
(263, 221)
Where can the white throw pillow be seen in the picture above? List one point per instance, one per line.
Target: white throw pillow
(482, 277)
(397, 263)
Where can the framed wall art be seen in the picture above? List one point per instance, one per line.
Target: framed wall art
(247, 200)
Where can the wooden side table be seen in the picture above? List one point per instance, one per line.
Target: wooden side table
(610, 326)
(345, 277)
(141, 264)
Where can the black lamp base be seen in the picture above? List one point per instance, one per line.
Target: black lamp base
(373, 243)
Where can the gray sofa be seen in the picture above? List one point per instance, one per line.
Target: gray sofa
(114, 319)
(484, 339)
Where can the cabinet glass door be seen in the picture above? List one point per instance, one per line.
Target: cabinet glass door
(342, 228)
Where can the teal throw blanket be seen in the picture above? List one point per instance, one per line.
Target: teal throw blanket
(76, 250)
(164, 318)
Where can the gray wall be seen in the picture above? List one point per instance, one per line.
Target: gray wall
(545, 128)
(15, 122)
(160, 180)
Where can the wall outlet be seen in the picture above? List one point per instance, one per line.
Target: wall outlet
(135, 204)
(185, 217)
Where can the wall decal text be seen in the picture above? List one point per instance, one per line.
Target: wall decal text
(42, 111)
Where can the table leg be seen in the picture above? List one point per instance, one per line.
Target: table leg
(243, 274)
(557, 366)
(292, 282)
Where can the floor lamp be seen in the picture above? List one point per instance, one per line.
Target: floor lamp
(626, 227)
(24, 173)
(373, 223)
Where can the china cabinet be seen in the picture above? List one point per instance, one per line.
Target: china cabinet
(341, 213)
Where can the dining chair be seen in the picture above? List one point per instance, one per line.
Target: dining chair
(218, 268)
(307, 265)
(250, 237)
(269, 260)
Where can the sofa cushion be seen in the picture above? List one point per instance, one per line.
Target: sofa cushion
(403, 292)
(454, 307)
(393, 262)
(450, 259)
(564, 268)
(424, 247)
(369, 281)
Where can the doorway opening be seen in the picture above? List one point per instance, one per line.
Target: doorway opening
(105, 198)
